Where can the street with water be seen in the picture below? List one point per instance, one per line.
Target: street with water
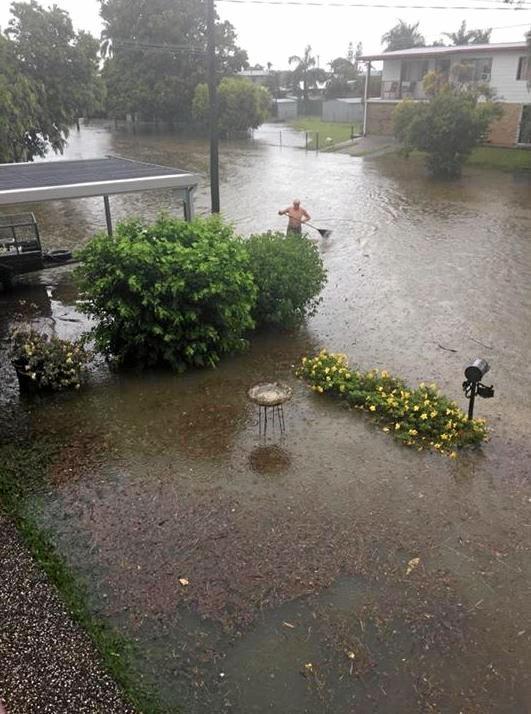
(294, 552)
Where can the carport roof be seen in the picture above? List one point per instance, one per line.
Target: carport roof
(56, 180)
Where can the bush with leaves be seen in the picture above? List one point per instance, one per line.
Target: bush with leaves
(421, 417)
(289, 274)
(242, 105)
(448, 126)
(173, 293)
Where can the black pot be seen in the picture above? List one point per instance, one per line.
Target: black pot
(26, 384)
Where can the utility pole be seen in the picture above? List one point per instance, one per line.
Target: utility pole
(213, 100)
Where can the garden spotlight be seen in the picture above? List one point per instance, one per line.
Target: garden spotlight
(472, 385)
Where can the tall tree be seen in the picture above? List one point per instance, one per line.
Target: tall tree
(468, 37)
(19, 118)
(306, 72)
(403, 36)
(156, 55)
(57, 71)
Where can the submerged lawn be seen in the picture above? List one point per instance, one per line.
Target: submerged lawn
(336, 131)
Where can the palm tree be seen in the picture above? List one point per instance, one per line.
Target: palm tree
(403, 36)
(468, 37)
(305, 71)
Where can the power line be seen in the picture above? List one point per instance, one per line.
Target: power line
(135, 45)
(395, 6)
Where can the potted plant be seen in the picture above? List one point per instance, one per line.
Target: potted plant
(46, 363)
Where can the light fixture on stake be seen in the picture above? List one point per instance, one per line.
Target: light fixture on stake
(472, 385)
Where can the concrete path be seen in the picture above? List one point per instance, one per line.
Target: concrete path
(367, 146)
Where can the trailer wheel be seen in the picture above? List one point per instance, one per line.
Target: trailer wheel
(6, 278)
(59, 256)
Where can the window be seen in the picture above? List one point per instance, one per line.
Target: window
(479, 69)
(414, 70)
(523, 72)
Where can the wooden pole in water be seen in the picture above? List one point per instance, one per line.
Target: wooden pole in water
(213, 105)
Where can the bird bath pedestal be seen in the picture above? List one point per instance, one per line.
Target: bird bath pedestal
(270, 398)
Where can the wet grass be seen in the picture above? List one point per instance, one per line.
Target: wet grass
(485, 157)
(24, 471)
(335, 131)
(492, 157)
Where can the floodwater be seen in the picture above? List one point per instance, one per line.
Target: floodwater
(272, 576)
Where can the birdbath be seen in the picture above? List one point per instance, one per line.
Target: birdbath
(270, 396)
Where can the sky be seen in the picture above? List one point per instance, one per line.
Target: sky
(271, 34)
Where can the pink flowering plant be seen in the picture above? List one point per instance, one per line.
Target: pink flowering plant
(49, 362)
(422, 417)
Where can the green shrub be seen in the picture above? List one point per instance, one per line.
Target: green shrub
(289, 274)
(173, 293)
(447, 127)
(421, 417)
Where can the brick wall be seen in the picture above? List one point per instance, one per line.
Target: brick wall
(379, 119)
(504, 131)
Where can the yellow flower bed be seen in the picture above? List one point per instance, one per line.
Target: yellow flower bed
(422, 417)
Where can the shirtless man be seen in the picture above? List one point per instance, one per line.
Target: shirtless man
(297, 215)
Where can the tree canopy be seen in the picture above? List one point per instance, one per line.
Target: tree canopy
(468, 37)
(157, 55)
(242, 104)
(306, 72)
(48, 77)
(403, 36)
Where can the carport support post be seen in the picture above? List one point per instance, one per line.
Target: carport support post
(188, 205)
(108, 214)
(366, 98)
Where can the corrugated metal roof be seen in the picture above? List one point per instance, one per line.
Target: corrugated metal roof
(437, 51)
(48, 180)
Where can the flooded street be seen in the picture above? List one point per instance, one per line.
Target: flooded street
(296, 550)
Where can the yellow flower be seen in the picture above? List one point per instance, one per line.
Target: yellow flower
(327, 370)
(424, 416)
(413, 432)
(385, 429)
(444, 437)
(342, 388)
(385, 373)
(433, 414)
(320, 389)
(416, 408)
(372, 408)
(397, 426)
